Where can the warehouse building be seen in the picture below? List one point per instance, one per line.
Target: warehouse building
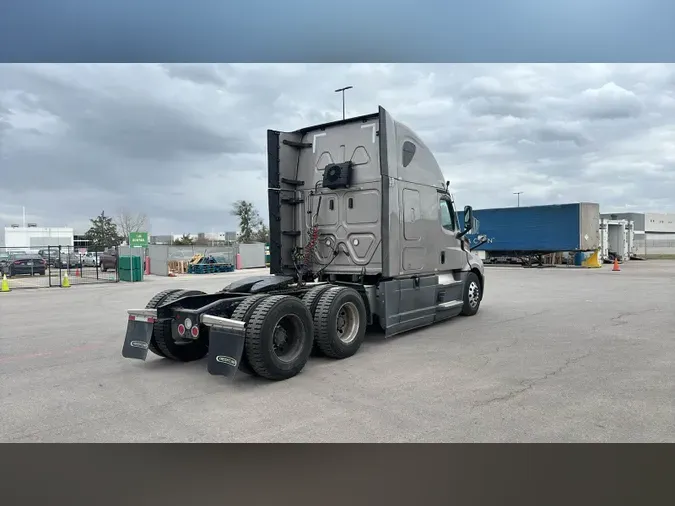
(654, 232)
(33, 238)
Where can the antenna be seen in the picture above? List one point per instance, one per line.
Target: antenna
(342, 90)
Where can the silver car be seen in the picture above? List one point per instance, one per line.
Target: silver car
(91, 259)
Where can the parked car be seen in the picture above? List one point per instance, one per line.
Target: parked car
(66, 261)
(108, 260)
(50, 255)
(27, 264)
(91, 259)
(3, 261)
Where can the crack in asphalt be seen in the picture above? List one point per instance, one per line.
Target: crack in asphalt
(528, 384)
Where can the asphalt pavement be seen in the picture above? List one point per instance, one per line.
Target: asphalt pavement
(560, 355)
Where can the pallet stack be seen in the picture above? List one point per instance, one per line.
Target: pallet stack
(208, 268)
(178, 266)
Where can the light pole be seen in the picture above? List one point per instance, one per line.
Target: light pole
(342, 90)
(518, 194)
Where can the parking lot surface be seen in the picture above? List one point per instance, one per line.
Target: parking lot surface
(557, 355)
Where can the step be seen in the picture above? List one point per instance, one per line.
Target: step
(449, 304)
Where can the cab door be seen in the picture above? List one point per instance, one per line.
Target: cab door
(451, 255)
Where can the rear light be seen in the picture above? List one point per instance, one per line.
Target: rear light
(181, 329)
(18, 262)
(146, 319)
(194, 331)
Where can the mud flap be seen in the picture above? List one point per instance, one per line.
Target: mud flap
(137, 339)
(226, 345)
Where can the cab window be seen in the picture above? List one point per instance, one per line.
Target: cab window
(447, 216)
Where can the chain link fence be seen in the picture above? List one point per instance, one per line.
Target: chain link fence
(50, 266)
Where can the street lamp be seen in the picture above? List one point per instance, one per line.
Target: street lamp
(342, 90)
(518, 194)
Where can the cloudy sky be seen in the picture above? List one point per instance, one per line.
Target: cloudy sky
(181, 142)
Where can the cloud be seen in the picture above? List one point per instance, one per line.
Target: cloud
(610, 102)
(181, 142)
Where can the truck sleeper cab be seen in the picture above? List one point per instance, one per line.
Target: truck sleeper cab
(363, 231)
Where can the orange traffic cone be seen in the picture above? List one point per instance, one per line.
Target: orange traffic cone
(77, 272)
(616, 266)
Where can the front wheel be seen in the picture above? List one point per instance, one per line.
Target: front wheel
(472, 295)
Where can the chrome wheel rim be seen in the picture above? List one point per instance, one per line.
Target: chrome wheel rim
(474, 294)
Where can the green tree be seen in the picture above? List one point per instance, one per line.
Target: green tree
(103, 233)
(249, 220)
(262, 234)
(185, 240)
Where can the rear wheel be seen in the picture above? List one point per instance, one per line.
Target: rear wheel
(154, 303)
(279, 337)
(311, 300)
(243, 313)
(188, 351)
(340, 322)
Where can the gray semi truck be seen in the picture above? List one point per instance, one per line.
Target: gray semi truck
(363, 231)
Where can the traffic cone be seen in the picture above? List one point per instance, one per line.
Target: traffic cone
(5, 284)
(616, 266)
(66, 281)
(77, 272)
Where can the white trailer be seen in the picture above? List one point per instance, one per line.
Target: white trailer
(616, 239)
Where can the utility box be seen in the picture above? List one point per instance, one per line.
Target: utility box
(130, 268)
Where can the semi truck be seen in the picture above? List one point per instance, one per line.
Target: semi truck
(363, 232)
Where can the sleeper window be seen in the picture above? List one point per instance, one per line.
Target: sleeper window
(408, 153)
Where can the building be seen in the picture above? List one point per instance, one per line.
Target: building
(215, 238)
(654, 232)
(80, 241)
(33, 238)
(161, 239)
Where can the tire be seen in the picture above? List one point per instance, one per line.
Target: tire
(183, 352)
(311, 300)
(242, 313)
(263, 328)
(154, 303)
(340, 307)
(472, 295)
(103, 268)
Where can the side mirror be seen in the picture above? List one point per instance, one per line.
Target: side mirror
(468, 219)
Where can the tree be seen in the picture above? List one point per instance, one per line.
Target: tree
(262, 234)
(128, 222)
(249, 220)
(103, 233)
(185, 240)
